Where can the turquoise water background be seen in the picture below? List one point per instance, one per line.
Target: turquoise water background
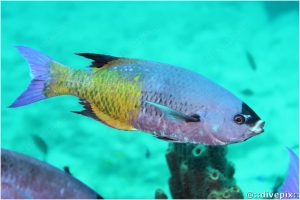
(210, 38)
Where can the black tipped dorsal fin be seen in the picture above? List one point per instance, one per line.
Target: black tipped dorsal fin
(99, 60)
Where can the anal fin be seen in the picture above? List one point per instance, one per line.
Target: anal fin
(92, 111)
(88, 112)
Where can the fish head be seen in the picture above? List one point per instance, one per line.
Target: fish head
(231, 124)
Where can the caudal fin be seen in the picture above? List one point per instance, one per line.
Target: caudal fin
(291, 183)
(39, 71)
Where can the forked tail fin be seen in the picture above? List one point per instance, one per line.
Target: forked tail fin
(291, 183)
(39, 71)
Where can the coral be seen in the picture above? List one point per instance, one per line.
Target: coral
(200, 172)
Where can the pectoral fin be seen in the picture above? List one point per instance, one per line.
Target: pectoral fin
(174, 115)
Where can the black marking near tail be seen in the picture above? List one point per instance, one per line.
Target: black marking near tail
(246, 110)
(88, 110)
(99, 59)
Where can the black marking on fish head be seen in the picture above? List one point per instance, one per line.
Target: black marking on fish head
(246, 110)
(253, 121)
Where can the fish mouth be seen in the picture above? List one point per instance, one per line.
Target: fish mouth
(258, 127)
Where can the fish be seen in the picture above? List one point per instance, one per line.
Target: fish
(147, 153)
(171, 103)
(251, 60)
(24, 177)
(41, 144)
(290, 187)
(247, 92)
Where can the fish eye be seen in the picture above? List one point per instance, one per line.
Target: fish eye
(239, 119)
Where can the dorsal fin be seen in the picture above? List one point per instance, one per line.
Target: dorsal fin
(99, 60)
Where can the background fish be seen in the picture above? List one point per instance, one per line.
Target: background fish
(251, 60)
(41, 144)
(170, 102)
(290, 187)
(24, 177)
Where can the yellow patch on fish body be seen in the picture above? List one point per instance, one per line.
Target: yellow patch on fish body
(114, 99)
(60, 74)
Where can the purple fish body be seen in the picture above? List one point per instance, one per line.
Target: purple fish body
(24, 177)
(172, 103)
(290, 187)
(193, 95)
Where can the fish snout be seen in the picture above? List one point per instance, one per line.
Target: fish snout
(258, 127)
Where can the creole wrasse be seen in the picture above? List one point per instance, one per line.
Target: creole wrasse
(24, 177)
(170, 102)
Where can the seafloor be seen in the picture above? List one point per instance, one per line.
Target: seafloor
(217, 40)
